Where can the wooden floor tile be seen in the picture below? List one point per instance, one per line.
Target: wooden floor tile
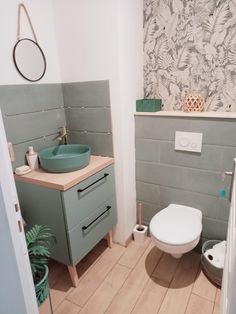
(199, 305)
(216, 308)
(128, 295)
(139, 279)
(55, 271)
(45, 307)
(67, 307)
(86, 264)
(94, 278)
(151, 298)
(103, 296)
(133, 253)
(113, 253)
(166, 268)
(218, 296)
(204, 288)
(60, 290)
(100, 247)
(177, 296)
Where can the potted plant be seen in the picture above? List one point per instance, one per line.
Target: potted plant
(38, 240)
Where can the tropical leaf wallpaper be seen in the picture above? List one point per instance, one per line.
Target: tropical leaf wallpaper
(190, 45)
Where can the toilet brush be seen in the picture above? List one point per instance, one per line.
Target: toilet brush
(140, 226)
(140, 231)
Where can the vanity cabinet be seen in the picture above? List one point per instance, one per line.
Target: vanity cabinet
(79, 217)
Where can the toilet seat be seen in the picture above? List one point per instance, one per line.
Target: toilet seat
(177, 225)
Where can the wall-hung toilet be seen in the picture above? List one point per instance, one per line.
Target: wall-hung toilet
(176, 229)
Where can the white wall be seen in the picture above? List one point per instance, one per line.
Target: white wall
(41, 15)
(102, 40)
(95, 40)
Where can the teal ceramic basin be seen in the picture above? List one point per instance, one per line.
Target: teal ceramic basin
(65, 158)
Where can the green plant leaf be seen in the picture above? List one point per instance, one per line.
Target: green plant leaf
(39, 240)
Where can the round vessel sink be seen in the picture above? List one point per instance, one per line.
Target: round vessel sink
(65, 158)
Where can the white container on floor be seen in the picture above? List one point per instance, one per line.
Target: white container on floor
(140, 235)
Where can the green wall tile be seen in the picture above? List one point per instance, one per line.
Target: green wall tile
(86, 94)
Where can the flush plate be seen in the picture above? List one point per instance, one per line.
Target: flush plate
(188, 141)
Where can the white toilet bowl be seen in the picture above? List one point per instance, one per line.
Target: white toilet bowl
(176, 229)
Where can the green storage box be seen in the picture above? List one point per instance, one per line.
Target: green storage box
(148, 105)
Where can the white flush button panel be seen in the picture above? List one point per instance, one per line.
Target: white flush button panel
(188, 141)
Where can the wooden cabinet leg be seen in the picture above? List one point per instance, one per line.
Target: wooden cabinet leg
(73, 275)
(109, 239)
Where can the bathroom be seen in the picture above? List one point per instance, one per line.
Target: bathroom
(101, 57)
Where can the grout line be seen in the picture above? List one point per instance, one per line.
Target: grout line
(85, 107)
(64, 298)
(90, 131)
(214, 306)
(80, 308)
(150, 278)
(198, 274)
(216, 295)
(37, 138)
(202, 297)
(169, 284)
(73, 288)
(167, 288)
(120, 286)
(168, 186)
(178, 166)
(92, 265)
(191, 292)
(177, 189)
(164, 206)
(173, 141)
(101, 284)
(136, 260)
(42, 110)
(192, 168)
(131, 269)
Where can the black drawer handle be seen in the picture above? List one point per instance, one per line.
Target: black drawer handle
(82, 190)
(86, 227)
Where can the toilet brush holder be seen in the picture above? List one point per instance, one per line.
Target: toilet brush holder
(140, 233)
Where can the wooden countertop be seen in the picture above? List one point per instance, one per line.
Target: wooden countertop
(64, 181)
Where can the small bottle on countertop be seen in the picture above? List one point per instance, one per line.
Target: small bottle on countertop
(32, 158)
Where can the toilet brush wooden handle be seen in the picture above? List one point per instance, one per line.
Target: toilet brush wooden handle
(140, 214)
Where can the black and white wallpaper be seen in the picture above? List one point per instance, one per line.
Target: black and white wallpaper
(190, 45)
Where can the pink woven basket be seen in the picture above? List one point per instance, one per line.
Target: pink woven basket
(194, 102)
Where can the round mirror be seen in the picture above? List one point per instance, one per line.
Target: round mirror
(29, 59)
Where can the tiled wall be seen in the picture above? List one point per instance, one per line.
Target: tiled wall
(34, 113)
(88, 116)
(165, 176)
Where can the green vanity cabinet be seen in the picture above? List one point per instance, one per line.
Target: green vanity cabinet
(79, 217)
(84, 198)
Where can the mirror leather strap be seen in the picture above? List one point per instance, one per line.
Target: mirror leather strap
(21, 5)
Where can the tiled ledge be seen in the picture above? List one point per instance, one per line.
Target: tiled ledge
(206, 114)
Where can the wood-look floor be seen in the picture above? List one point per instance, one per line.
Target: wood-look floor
(137, 279)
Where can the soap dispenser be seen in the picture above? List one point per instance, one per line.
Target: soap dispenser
(32, 158)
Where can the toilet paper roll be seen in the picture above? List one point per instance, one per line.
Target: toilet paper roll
(215, 258)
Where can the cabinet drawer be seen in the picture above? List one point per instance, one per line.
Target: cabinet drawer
(84, 198)
(91, 230)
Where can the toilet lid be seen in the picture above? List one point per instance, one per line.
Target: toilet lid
(177, 224)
